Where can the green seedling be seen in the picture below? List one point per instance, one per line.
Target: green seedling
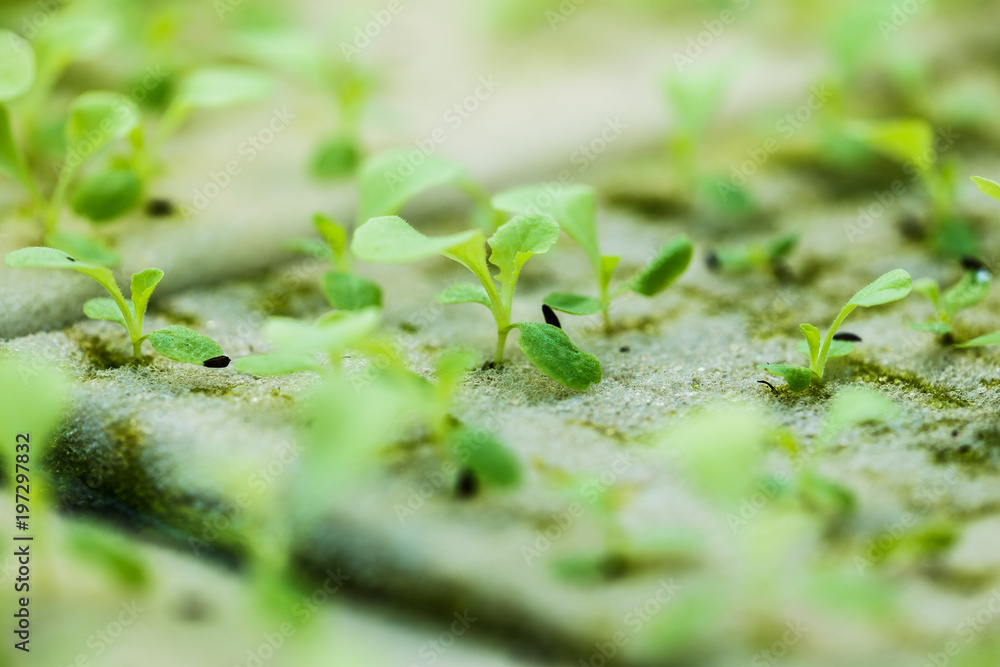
(992, 189)
(391, 240)
(575, 209)
(973, 287)
(911, 143)
(889, 287)
(388, 180)
(174, 342)
(344, 289)
(753, 256)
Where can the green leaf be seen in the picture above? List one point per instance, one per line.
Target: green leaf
(451, 367)
(185, 345)
(517, 240)
(889, 287)
(798, 378)
(988, 187)
(608, 265)
(334, 234)
(108, 194)
(388, 180)
(988, 339)
(905, 140)
(84, 248)
(96, 119)
(574, 304)
(489, 459)
(554, 354)
(143, 284)
(335, 332)
(17, 66)
(336, 158)
(110, 550)
(464, 293)
(666, 267)
(967, 292)
(812, 341)
(310, 248)
(217, 87)
(105, 308)
(838, 348)
(391, 240)
(50, 258)
(349, 291)
(851, 407)
(573, 207)
(11, 159)
(930, 289)
(782, 246)
(281, 363)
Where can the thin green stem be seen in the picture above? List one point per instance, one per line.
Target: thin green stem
(825, 350)
(502, 334)
(58, 196)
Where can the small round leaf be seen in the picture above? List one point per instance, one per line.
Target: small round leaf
(17, 66)
(554, 354)
(108, 194)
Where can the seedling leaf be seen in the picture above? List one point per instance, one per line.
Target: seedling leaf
(97, 119)
(906, 140)
(391, 240)
(489, 459)
(855, 406)
(107, 194)
(930, 289)
(185, 345)
(988, 339)
(555, 355)
(389, 179)
(889, 287)
(37, 257)
(333, 333)
(281, 363)
(336, 158)
(105, 308)
(812, 341)
(798, 378)
(335, 235)
(936, 328)
(11, 161)
(143, 284)
(573, 207)
(838, 348)
(665, 268)
(349, 291)
(17, 66)
(967, 292)
(464, 293)
(84, 248)
(517, 240)
(574, 304)
(216, 87)
(988, 187)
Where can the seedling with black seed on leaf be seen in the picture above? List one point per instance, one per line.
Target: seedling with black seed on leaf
(574, 208)
(973, 287)
(992, 189)
(889, 287)
(391, 240)
(753, 256)
(174, 342)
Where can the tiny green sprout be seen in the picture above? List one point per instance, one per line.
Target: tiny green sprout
(388, 180)
(390, 240)
(344, 289)
(174, 342)
(987, 187)
(911, 143)
(574, 208)
(753, 256)
(889, 287)
(299, 342)
(973, 287)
